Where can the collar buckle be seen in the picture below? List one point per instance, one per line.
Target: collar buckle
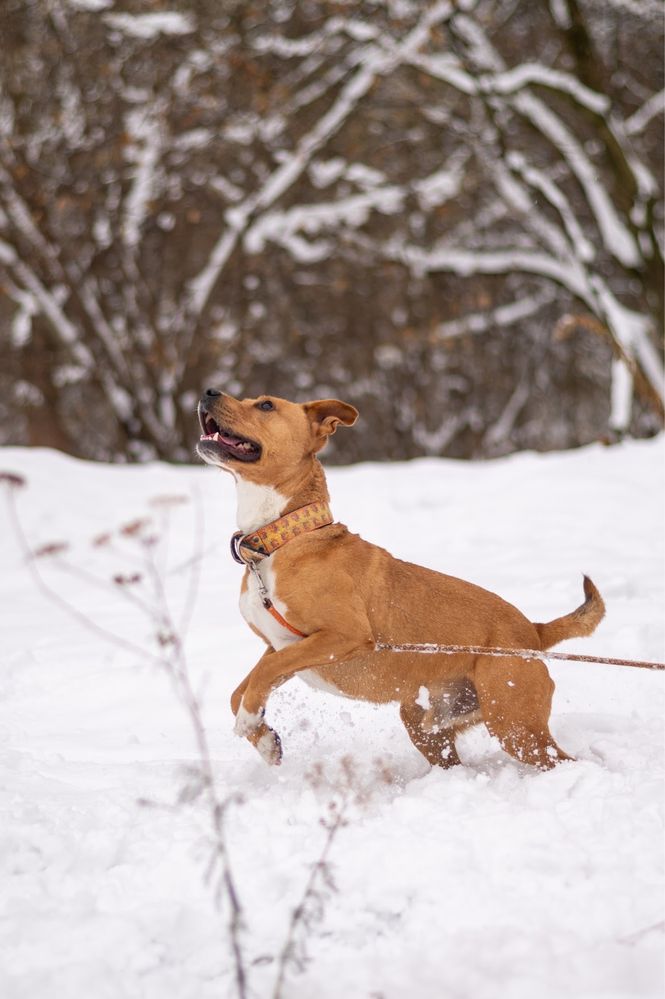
(235, 547)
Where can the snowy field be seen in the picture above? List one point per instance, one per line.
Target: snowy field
(489, 880)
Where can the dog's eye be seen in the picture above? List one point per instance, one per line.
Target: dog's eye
(265, 405)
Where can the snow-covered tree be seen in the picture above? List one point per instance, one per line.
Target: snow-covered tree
(448, 212)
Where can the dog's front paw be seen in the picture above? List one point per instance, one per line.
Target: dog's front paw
(251, 726)
(246, 722)
(269, 746)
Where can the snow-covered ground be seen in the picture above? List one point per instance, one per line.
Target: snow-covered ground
(488, 880)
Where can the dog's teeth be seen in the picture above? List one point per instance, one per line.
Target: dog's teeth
(215, 436)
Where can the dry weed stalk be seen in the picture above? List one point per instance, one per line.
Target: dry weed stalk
(348, 791)
(143, 587)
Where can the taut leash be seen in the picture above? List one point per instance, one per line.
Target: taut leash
(490, 650)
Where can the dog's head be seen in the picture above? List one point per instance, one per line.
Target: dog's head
(266, 439)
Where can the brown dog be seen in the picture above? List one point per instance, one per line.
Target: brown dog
(322, 599)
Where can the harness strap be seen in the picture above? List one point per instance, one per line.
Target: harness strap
(269, 605)
(249, 549)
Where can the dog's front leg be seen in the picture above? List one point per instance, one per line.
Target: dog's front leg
(275, 668)
(264, 738)
(236, 696)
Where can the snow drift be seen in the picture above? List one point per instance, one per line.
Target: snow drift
(487, 880)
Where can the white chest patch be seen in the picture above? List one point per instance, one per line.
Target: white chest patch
(257, 505)
(253, 611)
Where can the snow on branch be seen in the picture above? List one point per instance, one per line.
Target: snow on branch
(501, 316)
(287, 48)
(352, 212)
(146, 131)
(148, 26)
(48, 303)
(629, 330)
(376, 62)
(648, 10)
(617, 237)
(19, 214)
(654, 106)
(539, 181)
(139, 206)
(458, 260)
(519, 77)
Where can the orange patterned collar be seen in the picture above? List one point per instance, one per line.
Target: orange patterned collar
(247, 548)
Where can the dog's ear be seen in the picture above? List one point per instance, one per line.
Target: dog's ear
(325, 415)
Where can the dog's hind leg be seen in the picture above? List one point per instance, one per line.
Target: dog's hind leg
(515, 698)
(437, 745)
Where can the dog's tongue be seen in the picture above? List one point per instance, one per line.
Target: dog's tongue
(231, 441)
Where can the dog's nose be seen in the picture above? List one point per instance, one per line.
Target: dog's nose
(211, 393)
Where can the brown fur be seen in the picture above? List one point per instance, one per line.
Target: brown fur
(346, 595)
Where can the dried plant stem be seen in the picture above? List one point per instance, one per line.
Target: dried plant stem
(194, 568)
(174, 662)
(54, 596)
(102, 584)
(319, 873)
(217, 809)
(153, 603)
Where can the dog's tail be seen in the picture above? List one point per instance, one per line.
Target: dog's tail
(581, 622)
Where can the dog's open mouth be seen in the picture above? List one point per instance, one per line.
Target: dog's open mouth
(226, 442)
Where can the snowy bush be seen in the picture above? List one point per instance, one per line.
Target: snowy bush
(449, 212)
